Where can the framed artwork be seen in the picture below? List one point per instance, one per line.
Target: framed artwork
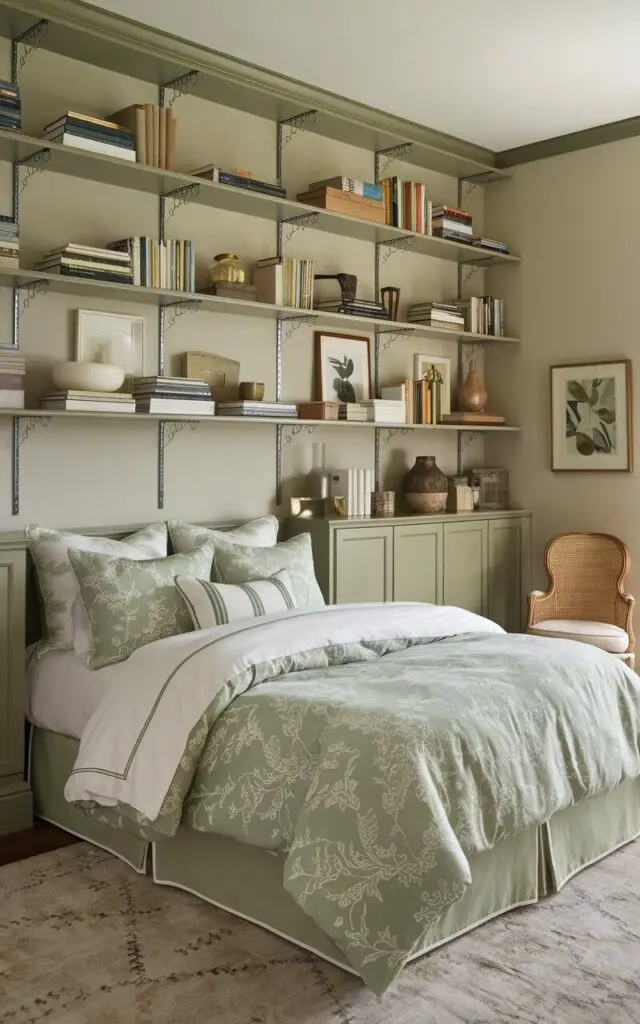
(591, 425)
(342, 368)
(114, 338)
(422, 363)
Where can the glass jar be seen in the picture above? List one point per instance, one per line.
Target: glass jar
(228, 268)
(319, 478)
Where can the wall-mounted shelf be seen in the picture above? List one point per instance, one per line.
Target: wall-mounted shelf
(238, 307)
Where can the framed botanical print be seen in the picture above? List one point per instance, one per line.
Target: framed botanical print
(591, 421)
(114, 338)
(342, 368)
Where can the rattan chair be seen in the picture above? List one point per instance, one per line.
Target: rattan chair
(586, 598)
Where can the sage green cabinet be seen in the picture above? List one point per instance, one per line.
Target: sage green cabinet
(480, 561)
(465, 565)
(15, 796)
(363, 565)
(509, 571)
(418, 562)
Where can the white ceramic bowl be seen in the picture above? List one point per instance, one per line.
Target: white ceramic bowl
(87, 376)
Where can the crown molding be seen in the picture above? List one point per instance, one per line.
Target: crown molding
(601, 135)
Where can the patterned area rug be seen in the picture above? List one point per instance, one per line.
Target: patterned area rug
(85, 939)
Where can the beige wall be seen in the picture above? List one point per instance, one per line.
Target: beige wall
(576, 221)
(85, 472)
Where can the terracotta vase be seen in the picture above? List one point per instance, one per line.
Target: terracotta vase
(473, 394)
(425, 486)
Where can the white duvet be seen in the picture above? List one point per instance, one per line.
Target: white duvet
(134, 741)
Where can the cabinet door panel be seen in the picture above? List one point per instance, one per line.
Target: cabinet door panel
(509, 571)
(417, 563)
(363, 569)
(465, 565)
(12, 694)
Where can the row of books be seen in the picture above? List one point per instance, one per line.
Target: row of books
(12, 373)
(239, 180)
(284, 281)
(178, 395)
(422, 401)
(449, 222)
(75, 260)
(9, 242)
(483, 314)
(356, 487)
(10, 106)
(153, 130)
(407, 206)
(84, 131)
(446, 315)
(154, 264)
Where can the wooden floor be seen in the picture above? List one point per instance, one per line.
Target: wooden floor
(42, 838)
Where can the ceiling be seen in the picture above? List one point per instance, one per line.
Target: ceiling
(500, 73)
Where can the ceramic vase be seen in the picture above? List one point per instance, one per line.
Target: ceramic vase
(473, 394)
(425, 487)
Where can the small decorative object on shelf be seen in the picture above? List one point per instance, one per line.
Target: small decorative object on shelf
(82, 376)
(318, 410)
(12, 374)
(492, 486)
(425, 487)
(460, 497)
(308, 508)
(383, 504)
(391, 301)
(319, 476)
(153, 129)
(342, 367)
(348, 285)
(227, 268)
(434, 374)
(10, 106)
(221, 374)
(242, 181)
(473, 394)
(251, 390)
(284, 281)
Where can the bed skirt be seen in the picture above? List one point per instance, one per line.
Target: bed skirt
(247, 881)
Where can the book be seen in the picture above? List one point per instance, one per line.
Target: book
(132, 118)
(148, 133)
(178, 406)
(288, 282)
(473, 417)
(13, 381)
(88, 119)
(355, 185)
(156, 135)
(11, 398)
(90, 275)
(116, 397)
(87, 405)
(171, 140)
(93, 146)
(120, 138)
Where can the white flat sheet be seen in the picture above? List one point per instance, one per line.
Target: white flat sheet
(62, 693)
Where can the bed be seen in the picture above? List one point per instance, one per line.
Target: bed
(320, 678)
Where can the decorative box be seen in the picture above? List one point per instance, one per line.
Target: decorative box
(460, 495)
(493, 485)
(318, 410)
(345, 202)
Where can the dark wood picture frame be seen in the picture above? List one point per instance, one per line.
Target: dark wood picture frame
(361, 339)
(628, 417)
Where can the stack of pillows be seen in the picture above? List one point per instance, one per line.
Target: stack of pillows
(106, 598)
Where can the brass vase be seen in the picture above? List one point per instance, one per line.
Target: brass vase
(228, 269)
(473, 394)
(425, 487)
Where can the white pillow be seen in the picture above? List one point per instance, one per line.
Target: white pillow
(57, 583)
(216, 604)
(259, 533)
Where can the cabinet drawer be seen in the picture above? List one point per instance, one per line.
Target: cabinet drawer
(363, 565)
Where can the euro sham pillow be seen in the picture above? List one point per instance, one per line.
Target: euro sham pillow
(130, 603)
(259, 533)
(236, 563)
(57, 583)
(215, 604)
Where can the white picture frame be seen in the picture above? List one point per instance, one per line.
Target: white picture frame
(421, 364)
(115, 338)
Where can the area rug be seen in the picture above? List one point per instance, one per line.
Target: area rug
(85, 939)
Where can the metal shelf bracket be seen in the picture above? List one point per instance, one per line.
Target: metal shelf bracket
(392, 246)
(179, 197)
(180, 86)
(464, 440)
(175, 310)
(385, 157)
(34, 164)
(22, 427)
(31, 40)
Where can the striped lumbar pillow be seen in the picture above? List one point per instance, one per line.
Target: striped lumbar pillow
(215, 604)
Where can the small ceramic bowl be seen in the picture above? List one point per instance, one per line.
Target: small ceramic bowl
(251, 391)
(87, 376)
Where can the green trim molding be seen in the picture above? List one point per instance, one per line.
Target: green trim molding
(600, 135)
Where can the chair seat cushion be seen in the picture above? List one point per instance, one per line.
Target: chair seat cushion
(599, 634)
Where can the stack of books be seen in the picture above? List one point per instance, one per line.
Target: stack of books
(407, 206)
(12, 371)
(84, 131)
(177, 395)
(490, 243)
(354, 307)
(75, 260)
(385, 410)
(355, 186)
(89, 401)
(483, 314)
(170, 264)
(356, 487)
(281, 410)
(243, 180)
(449, 222)
(352, 202)
(353, 412)
(153, 130)
(445, 315)
(10, 106)
(284, 282)
(9, 242)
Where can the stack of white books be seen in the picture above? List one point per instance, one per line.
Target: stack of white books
(12, 372)
(356, 487)
(384, 410)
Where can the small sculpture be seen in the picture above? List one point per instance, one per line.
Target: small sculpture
(348, 284)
